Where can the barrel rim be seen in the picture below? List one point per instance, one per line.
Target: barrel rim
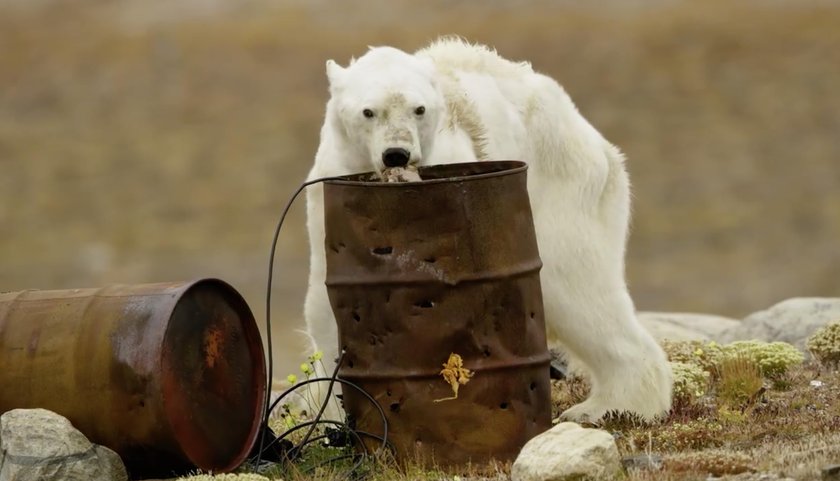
(513, 167)
(261, 379)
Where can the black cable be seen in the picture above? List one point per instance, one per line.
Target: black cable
(343, 382)
(270, 373)
(269, 406)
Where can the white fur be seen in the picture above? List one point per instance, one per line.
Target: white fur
(479, 106)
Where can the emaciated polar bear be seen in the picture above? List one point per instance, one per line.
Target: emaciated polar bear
(457, 102)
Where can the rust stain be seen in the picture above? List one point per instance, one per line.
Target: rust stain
(213, 341)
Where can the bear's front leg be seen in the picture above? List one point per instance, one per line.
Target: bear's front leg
(596, 323)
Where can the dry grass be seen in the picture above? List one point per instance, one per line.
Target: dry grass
(790, 431)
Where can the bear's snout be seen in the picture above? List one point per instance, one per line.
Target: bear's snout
(395, 157)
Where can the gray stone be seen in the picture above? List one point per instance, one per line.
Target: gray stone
(684, 326)
(831, 473)
(793, 321)
(652, 462)
(39, 445)
(567, 452)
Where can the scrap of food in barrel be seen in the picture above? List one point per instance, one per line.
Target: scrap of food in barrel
(455, 374)
(401, 174)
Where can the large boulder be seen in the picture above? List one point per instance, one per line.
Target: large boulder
(567, 452)
(683, 326)
(792, 321)
(39, 445)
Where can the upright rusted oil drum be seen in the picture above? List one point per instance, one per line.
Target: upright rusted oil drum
(170, 376)
(418, 271)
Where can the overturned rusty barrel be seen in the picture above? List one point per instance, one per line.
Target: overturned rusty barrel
(418, 271)
(170, 376)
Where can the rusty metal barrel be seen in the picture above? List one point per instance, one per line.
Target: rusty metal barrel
(418, 271)
(170, 376)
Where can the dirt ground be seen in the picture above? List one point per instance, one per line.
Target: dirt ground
(148, 140)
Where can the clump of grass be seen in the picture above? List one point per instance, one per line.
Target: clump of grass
(824, 344)
(716, 462)
(739, 381)
(567, 393)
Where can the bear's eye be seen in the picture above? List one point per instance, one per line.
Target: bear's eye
(420, 110)
(368, 113)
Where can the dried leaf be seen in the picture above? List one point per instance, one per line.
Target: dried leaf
(455, 374)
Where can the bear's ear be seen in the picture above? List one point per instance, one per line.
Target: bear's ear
(335, 72)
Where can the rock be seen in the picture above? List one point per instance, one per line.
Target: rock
(831, 473)
(567, 452)
(651, 462)
(679, 326)
(559, 367)
(39, 445)
(792, 321)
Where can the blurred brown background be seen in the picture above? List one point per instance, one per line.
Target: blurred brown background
(152, 140)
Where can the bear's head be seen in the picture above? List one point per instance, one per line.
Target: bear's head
(387, 106)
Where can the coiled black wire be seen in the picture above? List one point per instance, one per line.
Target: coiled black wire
(332, 380)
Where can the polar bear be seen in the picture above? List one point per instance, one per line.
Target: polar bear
(453, 102)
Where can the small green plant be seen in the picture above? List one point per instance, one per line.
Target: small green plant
(705, 355)
(739, 381)
(824, 344)
(773, 358)
(690, 383)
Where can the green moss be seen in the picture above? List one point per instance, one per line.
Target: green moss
(773, 358)
(705, 355)
(690, 382)
(825, 344)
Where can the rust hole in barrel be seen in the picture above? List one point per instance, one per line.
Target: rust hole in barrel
(504, 405)
(395, 407)
(533, 314)
(430, 259)
(357, 317)
(533, 385)
(425, 304)
(382, 251)
(486, 351)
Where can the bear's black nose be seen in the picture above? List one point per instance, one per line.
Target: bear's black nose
(395, 157)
